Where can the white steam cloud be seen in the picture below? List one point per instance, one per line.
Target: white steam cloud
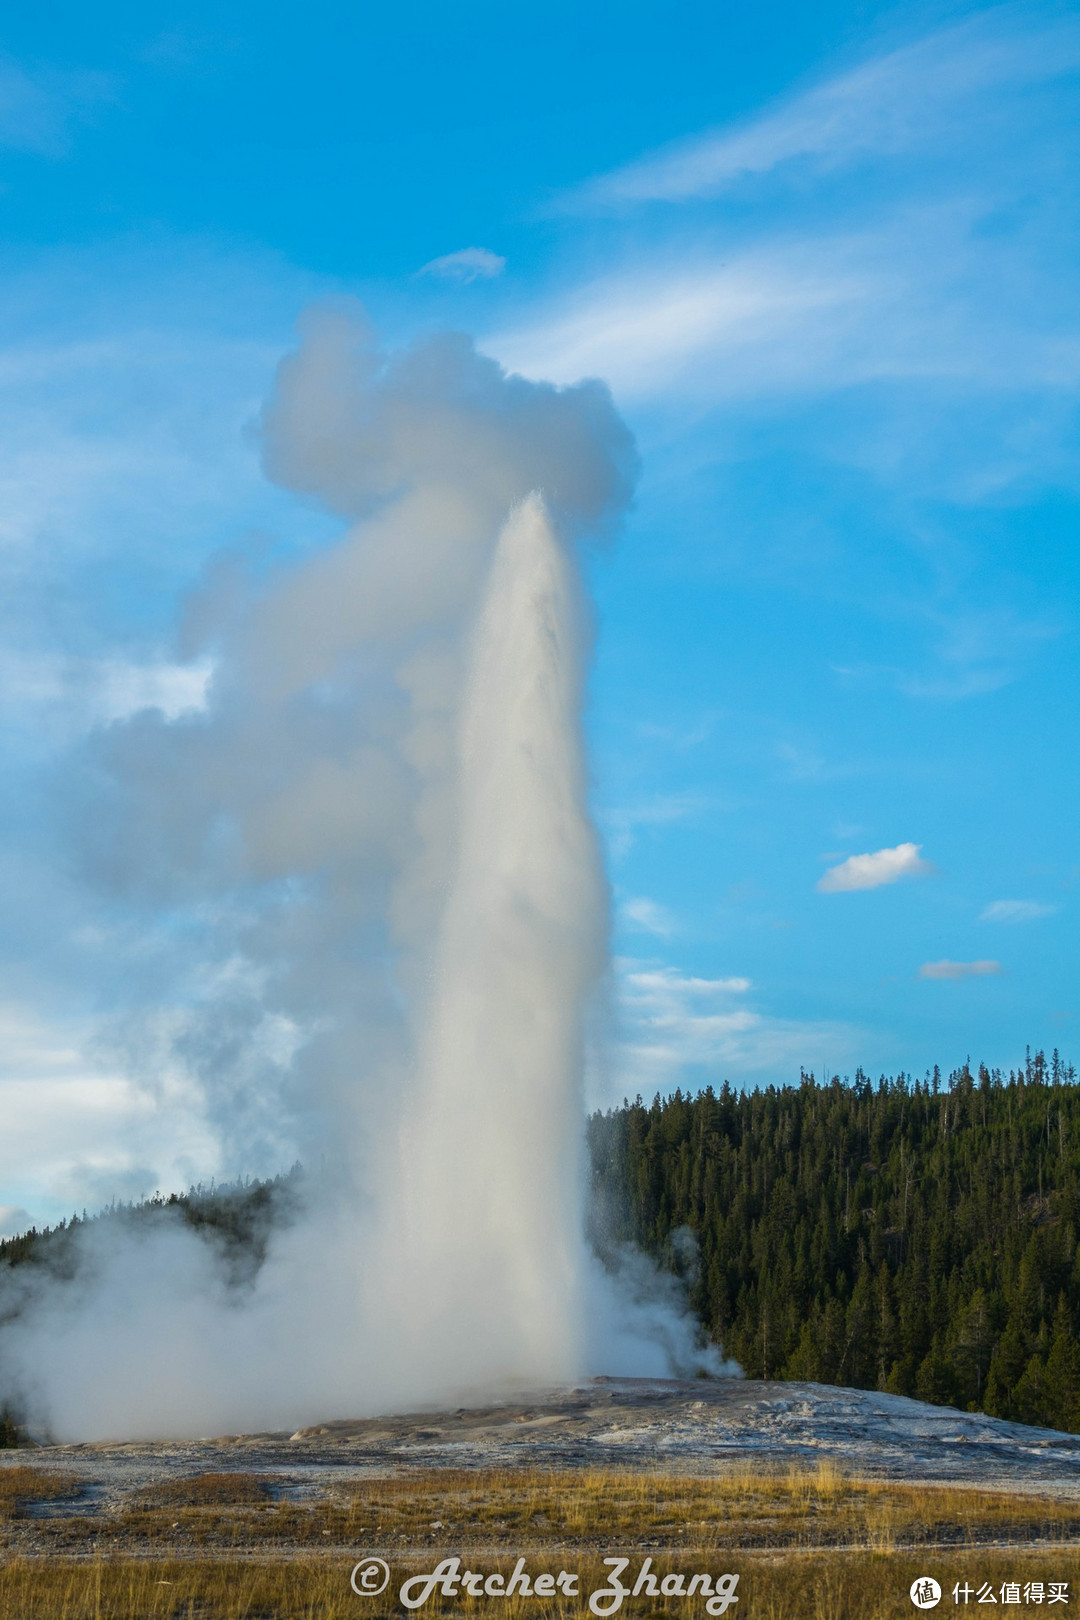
(379, 822)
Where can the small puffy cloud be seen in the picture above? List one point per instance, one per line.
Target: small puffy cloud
(644, 916)
(873, 870)
(958, 970)
(1015, 911)
(467, 264)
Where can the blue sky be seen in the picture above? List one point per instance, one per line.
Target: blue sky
(825, 257)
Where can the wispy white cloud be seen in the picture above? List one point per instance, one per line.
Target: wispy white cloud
(643, 329)
(1016, 911)
(102, 456)
(803, 761)
(93, 429)
(663, 987)
(979, 651)
(96, 691)
(973, 651)
(78, 1129)
(680, 737)
(125, 451)
(872, 871)
(920, 294)
(623, 823)
(673, 1021)
(677, 1028)
(467, 264)
(898, 102)
(935, 281)
(40, 108)
(959, 970)
(644, 916)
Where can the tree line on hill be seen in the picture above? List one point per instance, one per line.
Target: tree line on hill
(902, 1235)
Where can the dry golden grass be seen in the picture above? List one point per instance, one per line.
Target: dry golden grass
(742, 1508)
(206, 1490)
(807, 1544)
(520, 1510)
(18, 1486)
(796, 1586)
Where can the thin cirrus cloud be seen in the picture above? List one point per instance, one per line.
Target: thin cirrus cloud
(947, 970)
(624, 823)
(898, 102)
(672, 1023)
(1015, 911)
(978, 651)
(919, 295)
(467, 264)
(642, 328)
(873, 871)
(898, 279)
(645, 916)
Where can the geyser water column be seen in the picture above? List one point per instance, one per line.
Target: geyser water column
(491, 1204)
(377, 832)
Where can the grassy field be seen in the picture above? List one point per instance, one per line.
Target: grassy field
(806, 1546)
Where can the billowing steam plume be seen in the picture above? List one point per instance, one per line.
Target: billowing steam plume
(380, 824)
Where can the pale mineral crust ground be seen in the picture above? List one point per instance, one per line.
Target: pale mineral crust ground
(699, 1427)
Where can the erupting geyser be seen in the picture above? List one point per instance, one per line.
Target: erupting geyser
(377, 835)
(493, 1205)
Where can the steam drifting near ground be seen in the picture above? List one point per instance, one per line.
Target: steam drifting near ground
(383, 807)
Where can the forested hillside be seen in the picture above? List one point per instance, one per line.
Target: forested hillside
(903, 1235)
